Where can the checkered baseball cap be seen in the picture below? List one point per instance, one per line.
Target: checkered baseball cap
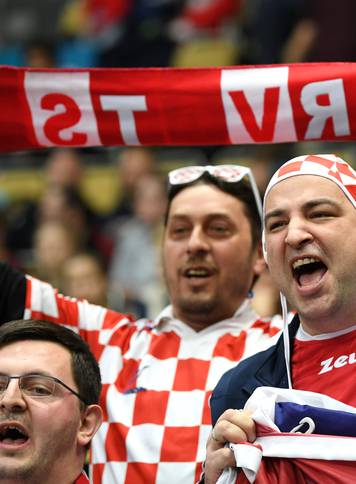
(329, 166)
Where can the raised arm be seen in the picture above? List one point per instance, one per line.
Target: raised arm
(26, 297)
(12, 293)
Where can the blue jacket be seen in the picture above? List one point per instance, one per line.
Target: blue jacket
(267, 368)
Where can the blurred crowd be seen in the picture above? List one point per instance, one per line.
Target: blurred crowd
(184, 33)
(108, 258)
(111, 257)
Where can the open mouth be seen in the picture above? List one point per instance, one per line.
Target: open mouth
(198, 272)
(13, 435)
(308, 271)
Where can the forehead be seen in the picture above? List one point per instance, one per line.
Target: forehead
(29, 355)
(204, 200)
(298, 190)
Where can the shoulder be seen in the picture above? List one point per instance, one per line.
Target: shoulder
(236, 385)
(265, 368)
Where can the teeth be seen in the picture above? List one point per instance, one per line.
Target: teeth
(301, 262)
(9, 428)
(197, 272)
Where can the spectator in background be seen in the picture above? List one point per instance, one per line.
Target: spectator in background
(49, 392)
(40, 54)
(83, 276)
(132, 164)
(135, 264)
(54, 243)
(61, 199)
(65, 205)
(64, 167)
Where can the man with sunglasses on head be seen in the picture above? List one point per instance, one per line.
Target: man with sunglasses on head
(49, 391)
(158, 375)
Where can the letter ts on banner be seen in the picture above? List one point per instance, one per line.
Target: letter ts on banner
(125, 106)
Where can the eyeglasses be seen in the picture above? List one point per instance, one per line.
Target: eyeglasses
(225, 173)
(35, 385)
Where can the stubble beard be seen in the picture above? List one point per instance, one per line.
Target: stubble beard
(35, 469)
(22, 472)
(197, 305)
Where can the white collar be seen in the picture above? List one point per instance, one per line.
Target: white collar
(303, 335)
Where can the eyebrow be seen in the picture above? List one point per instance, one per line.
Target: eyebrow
(308, 205)
(32, 372)
(212, 215)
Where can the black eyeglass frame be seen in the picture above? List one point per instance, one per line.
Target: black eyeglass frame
(48, 377)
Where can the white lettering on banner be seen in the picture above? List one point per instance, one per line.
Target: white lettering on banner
(61, 108)
(336, 109)
(125, 106)
(257, 105)
(339, 362)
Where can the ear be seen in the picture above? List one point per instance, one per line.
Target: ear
(259, 264)
(91, 420)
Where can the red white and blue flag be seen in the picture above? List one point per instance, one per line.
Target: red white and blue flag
(302, 437)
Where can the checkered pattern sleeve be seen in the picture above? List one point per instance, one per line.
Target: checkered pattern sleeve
(157, 381)
(94, 323)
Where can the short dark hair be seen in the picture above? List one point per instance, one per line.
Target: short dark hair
(85, 368)
(241, 190)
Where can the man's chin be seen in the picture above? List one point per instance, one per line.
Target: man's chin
(15, 469)
(198, 304)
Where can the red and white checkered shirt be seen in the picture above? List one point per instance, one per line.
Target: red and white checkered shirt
(157, 379)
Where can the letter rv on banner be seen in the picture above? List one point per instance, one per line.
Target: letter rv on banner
(212, 106)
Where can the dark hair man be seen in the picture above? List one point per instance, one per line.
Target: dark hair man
(49, 392)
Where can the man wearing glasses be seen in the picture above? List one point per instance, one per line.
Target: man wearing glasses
(49, 412)
(158, 375)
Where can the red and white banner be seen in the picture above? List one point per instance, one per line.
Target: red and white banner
(211, 106)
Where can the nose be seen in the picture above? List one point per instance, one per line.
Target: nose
(298, 233)
(12, 399)
(198, 242)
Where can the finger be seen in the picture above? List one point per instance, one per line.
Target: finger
(214, 437)
(216, 462)
(235, 426)
(225, 431)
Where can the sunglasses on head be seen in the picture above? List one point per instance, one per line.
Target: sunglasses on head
(225, 173)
